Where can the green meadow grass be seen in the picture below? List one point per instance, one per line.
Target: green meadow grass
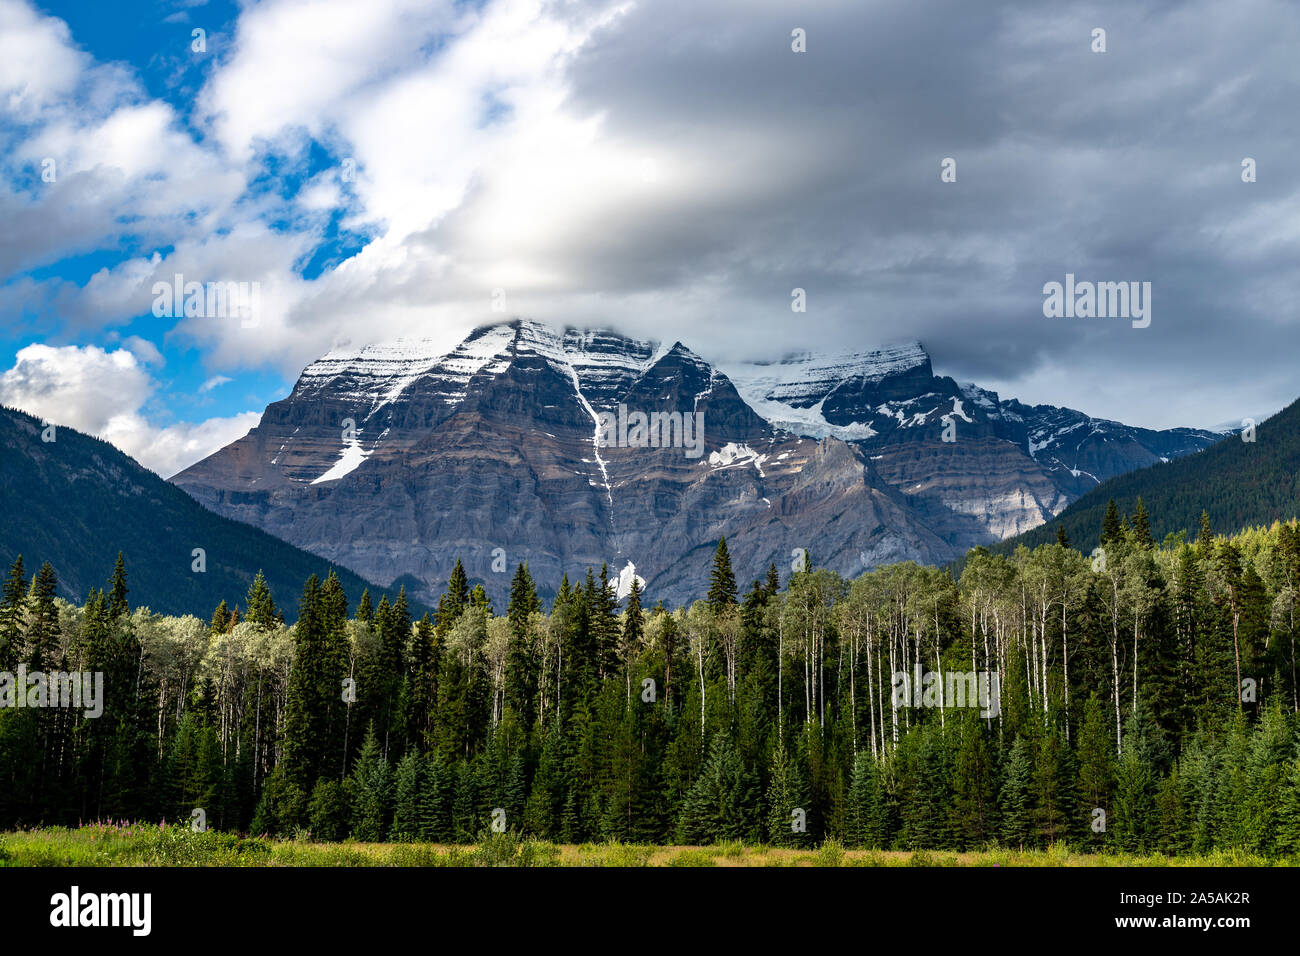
(153, 845)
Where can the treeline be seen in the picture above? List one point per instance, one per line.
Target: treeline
(1145, 698)
(1240, 481)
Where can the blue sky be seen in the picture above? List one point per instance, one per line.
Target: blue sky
(152, 41)
(672, 170)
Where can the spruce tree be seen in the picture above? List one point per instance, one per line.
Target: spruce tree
(1096, 764)
(328, 812)
(43, 630)
(407, 799)
(975, 798)
(220, 619)
(314, 684)
(789, 807)
(117, 605)
(422, 677)
(261, 606)
(773, 583)
(1111, 531)
(1017, 806)
(437, 799)
(516, 790)
(720, 805)
(633, 622)
(1205, 538)
(371, 792)
(925, 777)
(456, 599)
(365, 607)
(1288, 831)
(603, 609)
(869, 810)
(722, 582)
(1142, 526)
(12, 614)
(1132, 825)
(1055, 778)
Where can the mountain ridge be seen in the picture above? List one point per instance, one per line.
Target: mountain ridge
(77, 501)
(393, 460)
(1239, 484)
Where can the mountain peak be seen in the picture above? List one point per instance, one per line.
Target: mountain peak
(496, 444)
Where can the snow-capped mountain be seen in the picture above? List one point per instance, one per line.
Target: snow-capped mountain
(524, 444)
(820, 395)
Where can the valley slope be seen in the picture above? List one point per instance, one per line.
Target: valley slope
(77, 501)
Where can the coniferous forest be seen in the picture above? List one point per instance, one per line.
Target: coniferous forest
(1148, 702)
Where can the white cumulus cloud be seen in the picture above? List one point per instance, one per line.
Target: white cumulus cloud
(102, 393)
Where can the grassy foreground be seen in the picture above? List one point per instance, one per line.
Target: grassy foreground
(151, 845)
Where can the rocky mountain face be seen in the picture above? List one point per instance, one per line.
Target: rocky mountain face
(579, 448)
(1004, 467)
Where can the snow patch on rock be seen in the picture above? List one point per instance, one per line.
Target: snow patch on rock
(733, 453)
(625, 577)
(353, 455)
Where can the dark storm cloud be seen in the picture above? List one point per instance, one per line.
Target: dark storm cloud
(821, 170)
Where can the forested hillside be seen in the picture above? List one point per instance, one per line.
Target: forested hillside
(76, 501)
(1148, 700)
(1237, 483)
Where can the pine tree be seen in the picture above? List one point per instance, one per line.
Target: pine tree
(1288, 831)
(1132, 826)
(1111, 530)
(43, 630)
(117, 605)
(12, 613)
(220, 619)
(722, 582)
(869, 809)
(366, 607)
(1017, 798)
(1062, 538)
(633, 622)
(720, 805)
(1096, 762)
(1142, 527)
(456, 599)
(407, 799)
(1205, 538)
(327, 811)
(788, 804)
(371, 792)
(261, 606)
(422, 694)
